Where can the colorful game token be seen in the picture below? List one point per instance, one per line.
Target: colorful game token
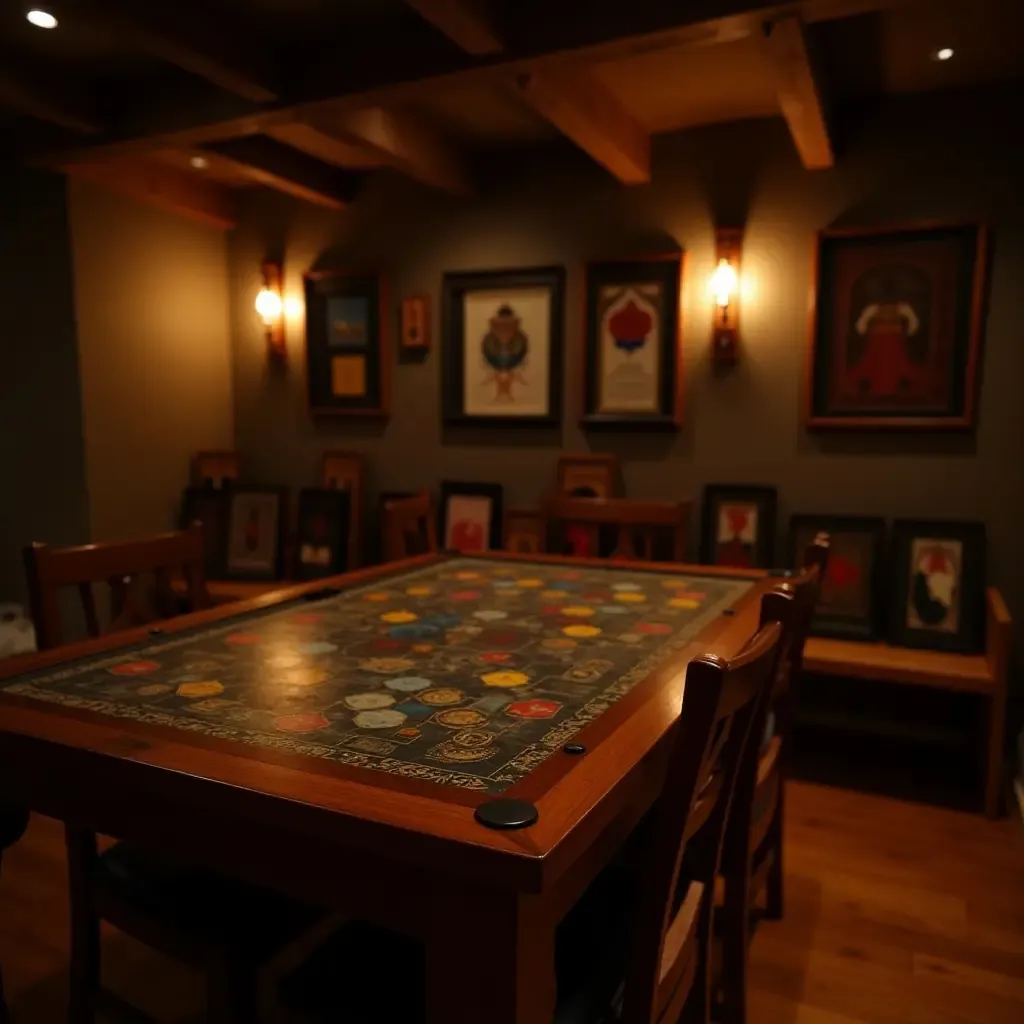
(490, 614)
(386, 665)
(503, 583)
(467, 576)
(407, 684)
(613, 609)
(419, 591)
(371, 701)
(505, 679)
(134, 668)
(625, 586)
(473, 738)
(303, 722)
(442, 695)
(422, 648)
(465, 595)
(529, 583)
(630, 597)
(653, 628)
(494, 657)
(674, 584)
(558, 643)
(581, 631)
(460, 718)
(449, 753)
(533, 709)
(207, 688)
(153, 690)
(684, 602)
(387, 718)
(578, 611)
(399, 617)
(630, 638)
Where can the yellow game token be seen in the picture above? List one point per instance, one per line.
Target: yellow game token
(684, 602)
(377, 596)
(398, 617)
(553, 595)
(505, 679)
(467, 575)
(578, 611)
(529, 584)
(630, 597)
(558, 644)
(418, 591)
(675, 584)
(208, 688)
(581, 631)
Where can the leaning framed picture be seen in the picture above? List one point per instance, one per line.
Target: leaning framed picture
(255, 532)
(632, 375)
(938, 590)
(470, 516)
(343, 471)
(588, 476)
(322, 533)
(501, 359)
(524, 531)
(348, 354)
(215, 469)
(210, 506)
(738, 526)
(850, 602)
(896, 328)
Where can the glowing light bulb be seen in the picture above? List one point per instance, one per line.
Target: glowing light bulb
(41, 19)
(723, 282)
(944, 53)
(268, 305)
(200, 163)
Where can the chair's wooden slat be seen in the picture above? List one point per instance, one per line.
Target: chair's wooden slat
(405, 519)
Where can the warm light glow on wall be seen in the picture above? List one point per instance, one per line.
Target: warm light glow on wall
(725, 287)
(724, 282)
(269, 307)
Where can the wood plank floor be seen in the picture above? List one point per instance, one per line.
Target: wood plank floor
(896, 914)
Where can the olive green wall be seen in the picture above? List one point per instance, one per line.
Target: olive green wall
(151, 301)
(937, 157)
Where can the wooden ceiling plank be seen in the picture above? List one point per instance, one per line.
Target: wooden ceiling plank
(164, 187)
(400, 141)
(26, 96)
(592, 117)
(277, 166)
(800, 91)
(464, 22)
(315, 140)
(187, 46)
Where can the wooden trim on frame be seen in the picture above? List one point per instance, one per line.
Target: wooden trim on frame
(472, 489)
(356, 510)
(978, 299)
(385, 353)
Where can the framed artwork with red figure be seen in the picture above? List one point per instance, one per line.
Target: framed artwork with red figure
(896, 328)
(938, 592)
(322, 533)
(850, 603)
(738, 526)
(256, 532)
(470, 516)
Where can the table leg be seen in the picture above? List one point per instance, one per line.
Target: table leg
(490, 958)
(995, 749)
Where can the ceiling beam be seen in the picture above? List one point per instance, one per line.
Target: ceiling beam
(800, 91)
(192, 46)
(22, 91)
(267, 162)
(464, 22)
(317, 138)
(164, 187)
(583, 110)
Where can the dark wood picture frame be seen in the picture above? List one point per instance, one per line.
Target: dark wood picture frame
(586, 471)
(842, 570)
(917, 540)
(215, 469)
(899, 309)
(272, 566)
(415, 323)
(472, 489)
(666, 272)
(322, 530)
(348, 369)
(525, 531)
(764, 498)
(457, 286)
(209, 506)
(345, 471)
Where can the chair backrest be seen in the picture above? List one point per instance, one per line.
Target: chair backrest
(119, 565)
(636, 522)
(213, 469)
(343, 471)
(722, 702)
(409, 527)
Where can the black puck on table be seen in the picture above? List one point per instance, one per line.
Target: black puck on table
(574, 748)
(156, 631)
(506, 814)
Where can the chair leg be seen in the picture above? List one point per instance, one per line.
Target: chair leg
(232, 993)
(5, 1016)
(84, 981)
(773, 880)
(735, 938)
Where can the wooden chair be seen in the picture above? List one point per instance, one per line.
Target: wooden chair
(409, 527)
(13, 822)
(124, 568)
(203, 919)
(343, 471)
(633, 520)
(635, 948)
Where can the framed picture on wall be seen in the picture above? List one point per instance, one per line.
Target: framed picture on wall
(256, 532)
(502, 347)
(343, 471)
(588, 476)
(322, 533)
(897, 325)
(470, 516)
(938, 588)
(209, 506)
(215, 469)
(348, 355)
(524, 531)
(632, 372)
(850, 602)
(738, 526)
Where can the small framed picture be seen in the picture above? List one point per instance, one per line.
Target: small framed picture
(502, 347)
(588, 476)
(416, 323)
(215, 469)
(470, 516)
(343, 471)
(256, 532)
(209, 506)
(524, 532)
(633, 370)
(348, 356)
(322, 533)
(898, 321)
(850, 601)
(738, 526)
(938, 592)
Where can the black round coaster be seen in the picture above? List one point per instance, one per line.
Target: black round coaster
(506, 814)
(574, 748)
(156, 631)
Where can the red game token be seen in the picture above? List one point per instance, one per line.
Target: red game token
(135, 668)
(652, 627)
(465, 595)
(533, 709)
(494, 657)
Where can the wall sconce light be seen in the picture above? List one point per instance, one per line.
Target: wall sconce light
(270, 308)
(725, 289)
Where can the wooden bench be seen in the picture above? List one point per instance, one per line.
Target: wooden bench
(984, 674)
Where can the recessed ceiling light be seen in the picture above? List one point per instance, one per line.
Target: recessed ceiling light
(42, 19)
(943, 54)
(200, 163)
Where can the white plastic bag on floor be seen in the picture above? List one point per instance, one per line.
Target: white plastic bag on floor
(17, 635)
